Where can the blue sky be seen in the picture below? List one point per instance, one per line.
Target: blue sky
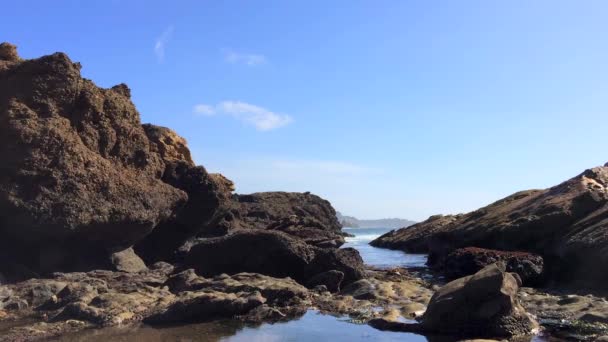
(386, 108)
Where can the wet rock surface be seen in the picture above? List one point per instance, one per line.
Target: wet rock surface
(482, 305)
(572, 315)
(69, 301)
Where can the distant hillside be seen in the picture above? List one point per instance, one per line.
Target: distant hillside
(350, 221)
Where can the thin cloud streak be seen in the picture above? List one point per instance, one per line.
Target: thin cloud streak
(249, 59)
(161, 43)
(259, 117)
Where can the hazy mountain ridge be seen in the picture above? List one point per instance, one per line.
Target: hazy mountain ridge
(353, 222)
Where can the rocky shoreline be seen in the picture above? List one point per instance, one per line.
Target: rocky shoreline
(108, 222)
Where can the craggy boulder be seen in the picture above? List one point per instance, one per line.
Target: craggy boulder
(482, 305)
(466, 261)
(260, 209)
(78, 176)
(271, 253)
(267, 252)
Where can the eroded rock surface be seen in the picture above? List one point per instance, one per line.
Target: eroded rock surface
(566, 224)
(272, 253)
(81, 177)
(481, 305)
(73, 301)
(466, 261)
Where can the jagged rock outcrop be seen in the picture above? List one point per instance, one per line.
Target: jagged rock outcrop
(79, 175)
(566, 224)
(83, 179)
(209, 198)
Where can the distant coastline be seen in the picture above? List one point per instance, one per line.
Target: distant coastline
(353, 222)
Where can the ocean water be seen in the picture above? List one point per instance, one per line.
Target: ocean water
(380, 257)
(312, 327)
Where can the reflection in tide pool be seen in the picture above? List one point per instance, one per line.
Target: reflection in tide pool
(317, 327)
(380, 257)
(312, 326)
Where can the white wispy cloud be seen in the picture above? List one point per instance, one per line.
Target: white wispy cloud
(249, 59)
(203, 109)
(259, 117)
(161, 43)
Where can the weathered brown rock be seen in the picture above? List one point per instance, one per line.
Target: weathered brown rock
(8, 52)
(346, 260)
(207, 204)
(170, 146)
(109, 298)
(482, 305)
(267, 252)
(466, 261)
(127, 261)
(259, 210)
(271, 253)
(330, 279)
(566, 224)
(310, 230)
(79, 176)
(199, 306)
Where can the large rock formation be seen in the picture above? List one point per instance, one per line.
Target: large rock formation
(566, 224)
(82, 179)
(272, 253)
